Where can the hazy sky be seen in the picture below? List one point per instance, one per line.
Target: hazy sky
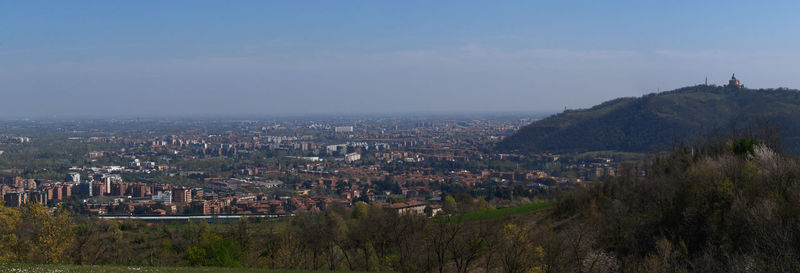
(150, 58)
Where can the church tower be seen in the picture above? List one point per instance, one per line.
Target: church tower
(734, 83)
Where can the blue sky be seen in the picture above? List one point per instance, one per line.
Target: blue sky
(170, 58)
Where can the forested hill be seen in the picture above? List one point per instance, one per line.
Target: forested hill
(656, 121)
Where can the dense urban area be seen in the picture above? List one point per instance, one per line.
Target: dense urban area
(279, 167)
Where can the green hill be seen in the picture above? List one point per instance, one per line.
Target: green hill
(656, 121)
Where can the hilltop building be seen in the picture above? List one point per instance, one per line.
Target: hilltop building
(734, 83)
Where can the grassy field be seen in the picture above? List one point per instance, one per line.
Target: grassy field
(57, 268)
(490, 214)
(618, 156)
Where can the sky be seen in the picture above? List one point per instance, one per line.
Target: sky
(207, 58)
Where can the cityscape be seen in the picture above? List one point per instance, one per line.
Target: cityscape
(205, 136)
(281, 167)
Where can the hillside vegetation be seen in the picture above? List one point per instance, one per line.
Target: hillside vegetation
(725, 206)
(657, 121)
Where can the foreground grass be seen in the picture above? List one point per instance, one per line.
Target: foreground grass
(59, 268)
(497, 213)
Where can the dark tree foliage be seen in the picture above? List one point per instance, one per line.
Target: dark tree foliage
(725, 205)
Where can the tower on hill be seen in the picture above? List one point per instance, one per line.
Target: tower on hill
(734, 83)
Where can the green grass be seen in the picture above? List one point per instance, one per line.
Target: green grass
(501, 212)
(617, 155)
(59, 268)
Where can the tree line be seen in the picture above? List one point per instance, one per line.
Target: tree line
(364, 238)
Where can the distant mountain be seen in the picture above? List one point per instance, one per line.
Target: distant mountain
(656, 121)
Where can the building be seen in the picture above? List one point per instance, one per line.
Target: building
(99, 188)
(38, 197)
(343, 129)
(352, 157)
(85, 188)
(74, 177)
(337, 148)
(49, 193)
(411, 207)
(14, 199)
(118, 188)
(163, 197)
(66, 190)
(62, 191)
(182, 195)
(205, 207)
(140, 190)
(108, 179)
(734, 83)
(27, 184)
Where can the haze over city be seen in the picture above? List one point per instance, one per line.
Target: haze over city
(186, 58)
